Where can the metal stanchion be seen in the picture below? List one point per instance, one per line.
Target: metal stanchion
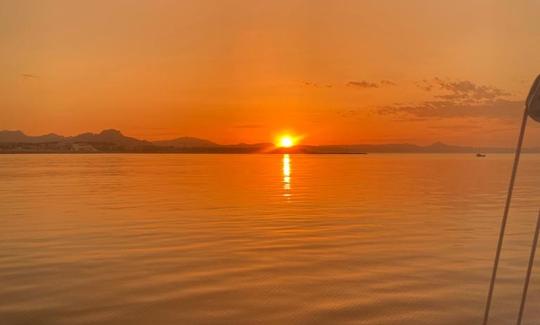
(532, 109)
(529, 271)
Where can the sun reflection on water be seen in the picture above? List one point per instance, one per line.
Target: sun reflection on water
(286, 175)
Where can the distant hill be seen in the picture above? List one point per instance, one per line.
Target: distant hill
(105, 136)
(186, 142)
(114, 141)
(18, 136)
(105, 141)
(108, 136)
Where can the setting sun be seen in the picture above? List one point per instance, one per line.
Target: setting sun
(286, 141)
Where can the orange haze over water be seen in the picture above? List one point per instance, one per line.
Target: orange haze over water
(244, 71)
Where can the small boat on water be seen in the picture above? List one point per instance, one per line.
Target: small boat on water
(480, 155)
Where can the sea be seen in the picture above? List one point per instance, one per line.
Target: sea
(263, 238)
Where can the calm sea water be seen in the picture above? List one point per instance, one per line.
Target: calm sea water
(267, 239)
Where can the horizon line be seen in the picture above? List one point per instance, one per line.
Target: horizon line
(435, 142)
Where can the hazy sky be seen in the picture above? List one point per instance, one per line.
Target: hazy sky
(241, 71)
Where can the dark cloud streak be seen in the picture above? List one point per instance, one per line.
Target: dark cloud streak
(29, 76)
(363, 84)
(499, 108)
(460, 98)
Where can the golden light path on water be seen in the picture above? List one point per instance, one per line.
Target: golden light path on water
(286, 175)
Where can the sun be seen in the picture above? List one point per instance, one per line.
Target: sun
(286, 141)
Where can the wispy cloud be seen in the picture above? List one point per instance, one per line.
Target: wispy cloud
(317, 85)
(388, 83)
(424, 84)
(29, 76)
(460, 98)
(499, 108)
(467, 90)
(363, 84)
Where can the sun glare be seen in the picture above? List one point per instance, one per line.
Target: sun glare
(286, 141)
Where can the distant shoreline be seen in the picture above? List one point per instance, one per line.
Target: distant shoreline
(248, 153)
(114, 141)
(174, 153)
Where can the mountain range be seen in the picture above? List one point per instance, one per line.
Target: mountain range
(115, 141)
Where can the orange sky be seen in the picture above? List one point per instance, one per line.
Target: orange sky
(242, 71)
